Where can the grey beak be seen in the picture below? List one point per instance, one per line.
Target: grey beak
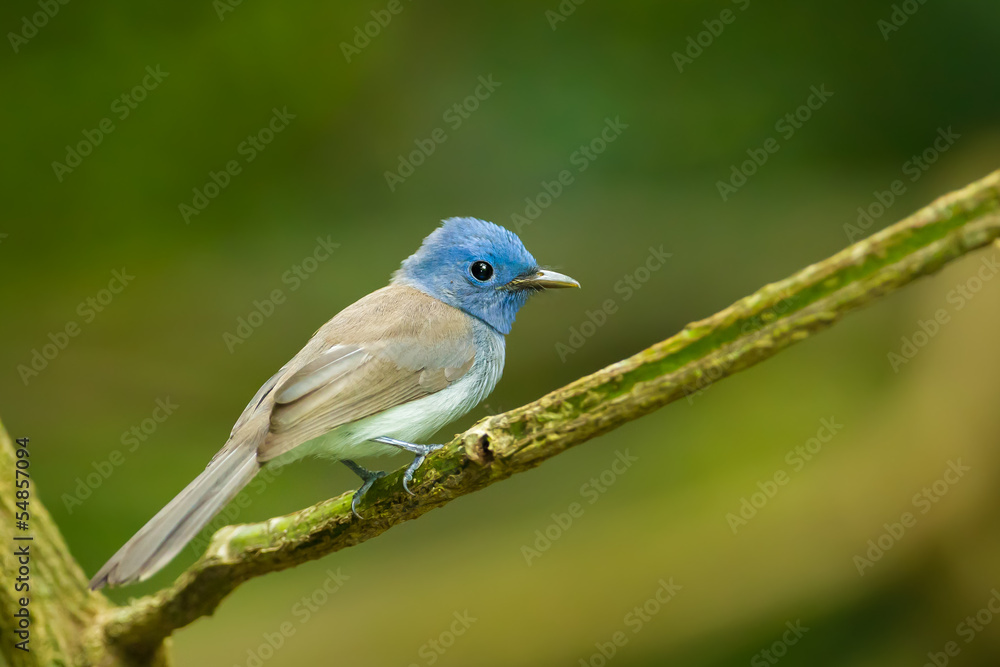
(545, 279)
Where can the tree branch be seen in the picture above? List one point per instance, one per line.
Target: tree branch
(751, 330)
(62, 620)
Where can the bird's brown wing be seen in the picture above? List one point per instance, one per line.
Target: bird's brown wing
(394, 346)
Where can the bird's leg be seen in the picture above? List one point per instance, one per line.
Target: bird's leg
(420, 450)
(368, 478)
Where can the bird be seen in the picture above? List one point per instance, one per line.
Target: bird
(382, 375)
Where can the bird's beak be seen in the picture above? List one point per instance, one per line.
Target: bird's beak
(543, 279)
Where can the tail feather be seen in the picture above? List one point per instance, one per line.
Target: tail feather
(179, 522)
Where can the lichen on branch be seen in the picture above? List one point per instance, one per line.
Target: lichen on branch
(751, 330)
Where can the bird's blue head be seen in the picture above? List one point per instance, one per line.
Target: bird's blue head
(480, 268)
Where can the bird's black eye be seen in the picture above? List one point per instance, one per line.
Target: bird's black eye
(481, 271)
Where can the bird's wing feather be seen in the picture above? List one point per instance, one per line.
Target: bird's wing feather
(394, 346)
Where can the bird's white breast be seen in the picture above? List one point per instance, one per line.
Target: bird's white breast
(419, 419)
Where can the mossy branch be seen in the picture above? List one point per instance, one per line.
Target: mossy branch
(751, 330)
(64, 621)
(744, 334)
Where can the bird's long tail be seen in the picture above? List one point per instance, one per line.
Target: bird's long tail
(179, 522)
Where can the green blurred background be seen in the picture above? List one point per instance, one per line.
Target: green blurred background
(323, 176)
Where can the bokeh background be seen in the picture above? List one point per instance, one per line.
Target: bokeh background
(323, 176)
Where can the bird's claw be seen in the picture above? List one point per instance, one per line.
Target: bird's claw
(420, 450)
(417, 462)
(368, 477)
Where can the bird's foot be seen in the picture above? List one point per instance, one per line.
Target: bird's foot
(421, 452)
(368, 478)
